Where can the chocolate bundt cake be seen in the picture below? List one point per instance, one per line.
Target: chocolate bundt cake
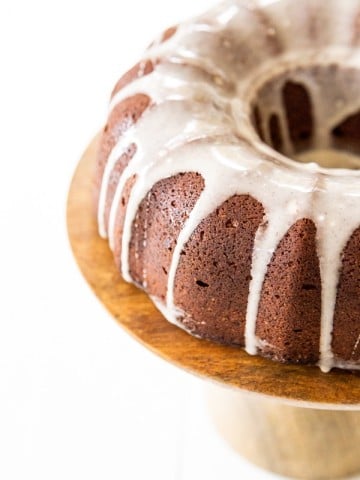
(228, 178)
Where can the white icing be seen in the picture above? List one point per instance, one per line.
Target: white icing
(333, 234)
(209, 74)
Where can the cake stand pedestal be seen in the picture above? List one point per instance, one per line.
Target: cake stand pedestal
(292, 420)
(291, 440)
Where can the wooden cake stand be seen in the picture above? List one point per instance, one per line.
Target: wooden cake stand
(292, 420)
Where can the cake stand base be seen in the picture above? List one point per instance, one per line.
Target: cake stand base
(288, 440)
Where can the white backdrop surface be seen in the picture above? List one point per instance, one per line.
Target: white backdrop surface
(79, 399)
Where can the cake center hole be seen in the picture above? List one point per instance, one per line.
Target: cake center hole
(312, 115)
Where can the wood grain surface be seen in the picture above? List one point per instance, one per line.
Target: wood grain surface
(294, 442)
(133, 310)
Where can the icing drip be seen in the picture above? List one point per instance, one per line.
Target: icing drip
(266, 241)
(332, 236)
(203, 87)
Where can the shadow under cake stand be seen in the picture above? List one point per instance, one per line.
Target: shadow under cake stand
(292, 420)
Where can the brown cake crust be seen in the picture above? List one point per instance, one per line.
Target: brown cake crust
(275, 132)
(115, 175)
(137, 71)
(120, 218)
(346, 135)
(159, 220)
(212, 280)
(299, 114)
(122, 117)
(346, 334)
(290, 307)
(169, 32)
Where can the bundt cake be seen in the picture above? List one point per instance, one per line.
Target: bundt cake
(228, 178)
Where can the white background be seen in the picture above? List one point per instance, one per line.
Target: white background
(79, 399)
